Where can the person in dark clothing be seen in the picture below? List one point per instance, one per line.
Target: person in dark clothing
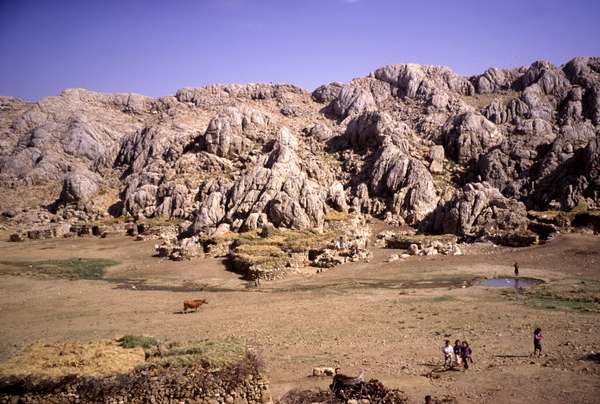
(516, 269)
(466, 354)
(458, 353)
(428, 400)
(537, 341)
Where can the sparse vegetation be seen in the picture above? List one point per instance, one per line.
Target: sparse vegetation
(74, 268)
(210, 354)
(562, 217)
(271, 249)
(134, 341)
(444, 298)
(333, 215)
(277, 249)
(161, 221)
(583, 297)
(480, 101)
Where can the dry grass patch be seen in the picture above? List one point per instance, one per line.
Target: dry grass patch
(275, 250)
(73, 358)
(210, 354)
(480, 101)
(161, 221)
(562, 216)
(74, 268)
(333, 215)
(278, 241)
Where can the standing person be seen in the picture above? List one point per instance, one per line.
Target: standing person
(537, 341)
(448, 352)
(466, 354)
(516, 269)
(458, 353)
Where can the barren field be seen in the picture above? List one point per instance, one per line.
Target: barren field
(389, 319)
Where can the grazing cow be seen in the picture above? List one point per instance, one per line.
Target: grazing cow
(193, 304)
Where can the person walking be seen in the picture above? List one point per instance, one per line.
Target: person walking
(537, 341)
(516, 269)
(466, 354)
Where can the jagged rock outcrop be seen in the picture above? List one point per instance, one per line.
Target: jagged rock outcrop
(404, 178)
(478, 209)
(392, 144)
(233, 133)
(351, 101)
(413, 80)
(469, 135)
(278, 186)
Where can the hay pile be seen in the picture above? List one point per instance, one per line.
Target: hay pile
(73, 358)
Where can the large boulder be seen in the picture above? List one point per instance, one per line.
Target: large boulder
(469, 135)
(327, 93)
(494, 80)
(405, 179)
(352, 100)
(233, 132)
(478, 209)
(79, 185)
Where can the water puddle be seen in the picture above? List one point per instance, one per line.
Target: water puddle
(510, 282)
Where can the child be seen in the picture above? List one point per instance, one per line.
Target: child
(448, 352)
(466, 354)
(537, 341)
(458, 353)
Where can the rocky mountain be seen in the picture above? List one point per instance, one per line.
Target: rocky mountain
(418, 144)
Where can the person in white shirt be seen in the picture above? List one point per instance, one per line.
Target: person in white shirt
(448, 351)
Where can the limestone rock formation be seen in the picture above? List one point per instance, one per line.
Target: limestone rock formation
(469, 135)
(400, 143)
(278, 186)
(478, 209)
(79, 185)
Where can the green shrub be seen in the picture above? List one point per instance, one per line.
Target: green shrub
(134, 341)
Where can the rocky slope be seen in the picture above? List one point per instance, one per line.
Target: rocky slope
(417, 144)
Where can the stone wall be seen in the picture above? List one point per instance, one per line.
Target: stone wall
(241, 383)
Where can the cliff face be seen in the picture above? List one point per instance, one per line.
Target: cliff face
(467, 155)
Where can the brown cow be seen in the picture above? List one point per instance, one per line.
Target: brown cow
(193, 304)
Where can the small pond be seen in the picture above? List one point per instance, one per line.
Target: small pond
(510, 282)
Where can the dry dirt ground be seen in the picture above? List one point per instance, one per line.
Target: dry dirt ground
(389, 319)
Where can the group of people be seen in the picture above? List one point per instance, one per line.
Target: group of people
(458, 355)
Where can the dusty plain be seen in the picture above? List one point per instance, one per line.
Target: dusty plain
(389, 319)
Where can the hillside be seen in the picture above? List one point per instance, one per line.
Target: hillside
(416, 145)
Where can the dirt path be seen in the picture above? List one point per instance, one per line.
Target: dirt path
(389, 319)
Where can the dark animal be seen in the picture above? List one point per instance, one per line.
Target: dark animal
(342, 382)
(193, 304)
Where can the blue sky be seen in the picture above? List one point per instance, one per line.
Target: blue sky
(154, 47)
